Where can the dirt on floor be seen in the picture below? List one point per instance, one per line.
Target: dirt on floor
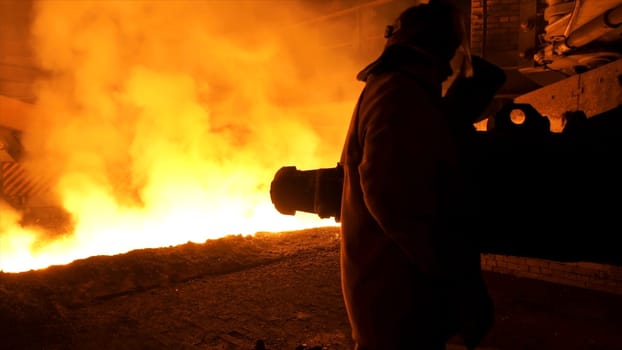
(267, 291)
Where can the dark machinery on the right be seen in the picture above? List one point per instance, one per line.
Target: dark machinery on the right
(542, 194)
(548, 166)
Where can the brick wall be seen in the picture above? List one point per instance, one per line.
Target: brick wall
(477, 27)
(602, 277)
(494, 30)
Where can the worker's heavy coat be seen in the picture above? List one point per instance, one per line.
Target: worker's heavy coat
(407, 270)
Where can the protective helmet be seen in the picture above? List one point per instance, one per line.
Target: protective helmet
(435, 27)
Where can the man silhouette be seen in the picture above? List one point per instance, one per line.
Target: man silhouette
(411, 278)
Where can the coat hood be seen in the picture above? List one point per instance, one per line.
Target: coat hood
(411, 60)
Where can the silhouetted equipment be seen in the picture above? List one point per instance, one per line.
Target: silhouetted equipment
(313, 191)
(552, 195)
(543, 194)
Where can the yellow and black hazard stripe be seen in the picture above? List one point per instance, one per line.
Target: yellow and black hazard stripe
(17, 183)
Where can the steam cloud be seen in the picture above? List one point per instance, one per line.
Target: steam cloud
(164, 121)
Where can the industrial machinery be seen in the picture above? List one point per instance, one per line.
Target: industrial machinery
(547, 165)
(13, 113)
(543, 194)
(571, 37)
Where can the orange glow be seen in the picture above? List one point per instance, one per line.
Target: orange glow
(163, 122)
